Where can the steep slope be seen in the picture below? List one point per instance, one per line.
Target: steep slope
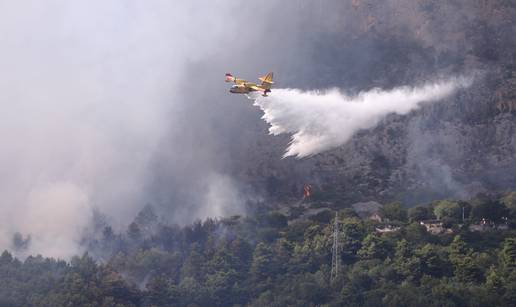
(454, 148)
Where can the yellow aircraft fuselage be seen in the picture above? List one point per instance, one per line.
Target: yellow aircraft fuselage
(243, 87)
(240, 89)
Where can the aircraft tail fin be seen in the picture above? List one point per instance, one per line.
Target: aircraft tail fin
(229, 77)
(267, 80)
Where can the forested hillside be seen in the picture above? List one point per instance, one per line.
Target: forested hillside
(273, 260)
(111, 105)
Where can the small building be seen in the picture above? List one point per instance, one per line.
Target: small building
(478, 227)
(435, 227)
(486, 225)
(387, 228)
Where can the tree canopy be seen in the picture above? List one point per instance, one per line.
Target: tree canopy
(230, 262)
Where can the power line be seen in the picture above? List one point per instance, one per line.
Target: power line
(335, 250)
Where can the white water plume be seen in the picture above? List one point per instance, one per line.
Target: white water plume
(322, 120)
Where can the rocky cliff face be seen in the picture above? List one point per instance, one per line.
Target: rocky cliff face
(456, 148)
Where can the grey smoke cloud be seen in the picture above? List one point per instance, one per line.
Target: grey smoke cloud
(89, 90)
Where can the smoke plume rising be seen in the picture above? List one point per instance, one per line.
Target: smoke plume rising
(322, 120)
(89, 93)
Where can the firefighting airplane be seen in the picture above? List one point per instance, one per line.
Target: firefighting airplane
(244, 87)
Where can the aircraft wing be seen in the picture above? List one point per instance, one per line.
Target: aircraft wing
(256, 88)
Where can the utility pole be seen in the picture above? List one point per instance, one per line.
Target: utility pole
(335, 250)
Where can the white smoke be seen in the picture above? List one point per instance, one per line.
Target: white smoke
(322, 120)
(221, 198)
(88, 91)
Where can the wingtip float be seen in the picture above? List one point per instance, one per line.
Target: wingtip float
(242, 86)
